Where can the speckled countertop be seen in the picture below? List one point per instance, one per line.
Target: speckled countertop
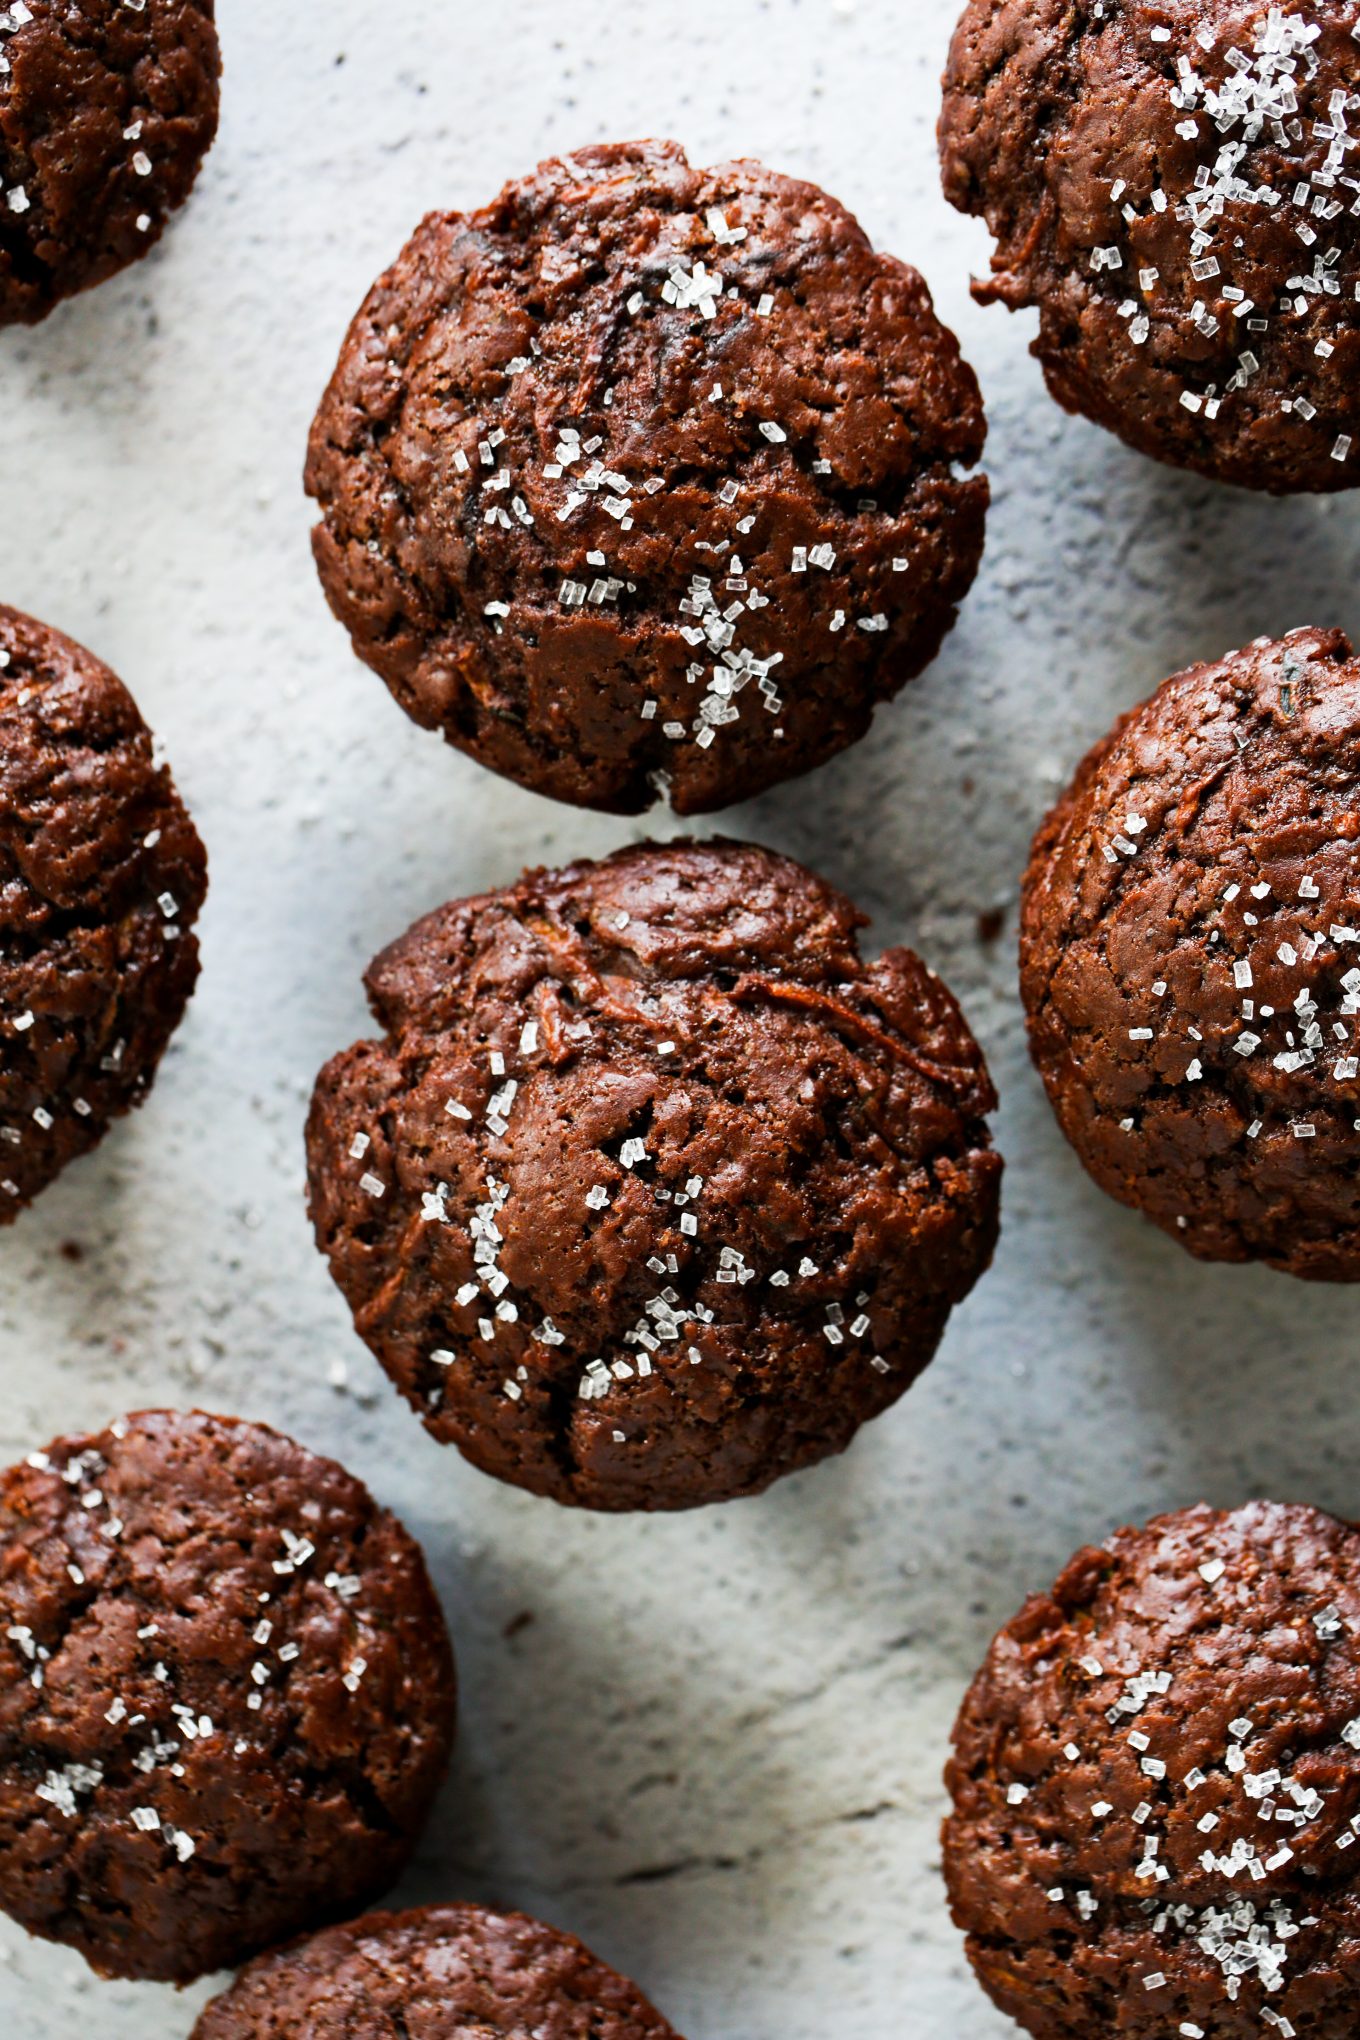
(714, 1749)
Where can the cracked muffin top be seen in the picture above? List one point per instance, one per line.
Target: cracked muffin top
(653, 1189)
(647, 479)
(1190, 957)
(226, 1693)
(107, 109)
(102, 876)
(1156, 1787)
(1173, 184)
(449, 1972)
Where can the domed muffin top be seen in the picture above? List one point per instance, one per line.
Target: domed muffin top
(1190, 948)
(448, 1972)
(655, 1189)
(1174, 184)
(1156, 1786)
(646, 475)
(107, 109)
(102, 876)
(226, 1693)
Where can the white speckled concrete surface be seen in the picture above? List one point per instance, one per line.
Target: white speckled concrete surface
(714, 1749)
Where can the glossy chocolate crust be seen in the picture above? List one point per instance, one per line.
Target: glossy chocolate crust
(451, 1972)
(226, 1694)
(647, 470)
(1190, 957)
(102, 876)
(106, 112)
(1156, 1787)
(1171, 184)
(653, 1190)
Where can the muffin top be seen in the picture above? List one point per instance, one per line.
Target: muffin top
(102, 876)
(654, 1189)
(107, 109)
(1172, 183)
(449, 1972)
(1156, 1786)
(1190, 949)
(648, 478)
(226, 1693)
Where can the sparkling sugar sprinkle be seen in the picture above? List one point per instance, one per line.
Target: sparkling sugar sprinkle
(1255, 103)
(667, 1322)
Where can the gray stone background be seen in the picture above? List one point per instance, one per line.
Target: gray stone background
(715, 1748)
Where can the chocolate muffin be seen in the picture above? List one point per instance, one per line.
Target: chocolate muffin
(648, 479)
(1190, 957)
(1171, 183)
(447, 1972)
(1156, 1787)
(226, 1693)
(101, 879)
(107, 109)
(654, 1189)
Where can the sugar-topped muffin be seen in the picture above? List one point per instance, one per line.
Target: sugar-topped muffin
(226, 1693)
(1156, 1787)
(1172, 184)
(1190, 957)
(653, 1189)
(107, 109)
(102, 876)
(647, 479)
